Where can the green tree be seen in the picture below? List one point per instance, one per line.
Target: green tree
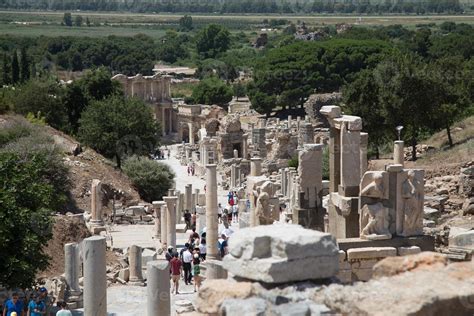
(26, 219)
(5, 70)
(212, 40)
(118, 127)
(172, 47)
(41, 97)
(408, 94)
(361, 98)
(151, 179)
(15, 68)
(239, 90)
(78, 20)
(88, 22)
(212, 91)
(186, 23)
(67, 19)
(76, 62)
(25, 65)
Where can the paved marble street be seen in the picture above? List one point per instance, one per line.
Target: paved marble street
(131, 300)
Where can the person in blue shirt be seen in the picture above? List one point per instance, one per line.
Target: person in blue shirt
(37, 307)
(14, 305)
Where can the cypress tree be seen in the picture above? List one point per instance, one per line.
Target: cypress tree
(25, 65)
(15, 68)
(6, 70)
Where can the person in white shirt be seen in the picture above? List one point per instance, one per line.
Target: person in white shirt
(187, 259)
(202, 249)
(64, 311)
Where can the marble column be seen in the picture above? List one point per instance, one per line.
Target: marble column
(171, 220)
(158, 288)
(96, 203)
(364, 142)
(163, 121)
(233, 176)
(72, 268)
(191, 134)
(244, 146)
(196, 196)
(164, 225)
(211, 212)
(95, 276)
(399, 153)
(135, 265)
(290, 119)
(157, 205)
(256, 167)
(188, 197)
(284, 180)
(236, 153)
(170, 119)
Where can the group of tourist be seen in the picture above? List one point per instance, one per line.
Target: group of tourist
(185, 265)
(37, 304)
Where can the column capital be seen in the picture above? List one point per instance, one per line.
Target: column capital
(211, 166)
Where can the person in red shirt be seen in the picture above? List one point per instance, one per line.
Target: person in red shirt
(176, 265)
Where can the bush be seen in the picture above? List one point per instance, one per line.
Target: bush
(26, 197)
(151, 179)
(293, 162)
(326, 163)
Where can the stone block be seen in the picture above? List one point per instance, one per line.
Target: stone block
(299, 308)
(405, 251)
(238, 307)
(283, 253)
(124, 274)
(361, 274)
(345, 276)
(461, 238)
(331, 111)
(371, 253)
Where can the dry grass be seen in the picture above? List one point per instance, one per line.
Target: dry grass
(461, 132)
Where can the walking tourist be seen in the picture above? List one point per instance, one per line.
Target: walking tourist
(14, 305)
(175, 272)
(187, 258)
(196, 272)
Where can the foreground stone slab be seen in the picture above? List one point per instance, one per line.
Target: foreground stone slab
(371, 253)
(282, 253)
(448, 290)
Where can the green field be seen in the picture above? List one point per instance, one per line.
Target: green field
(22, 23)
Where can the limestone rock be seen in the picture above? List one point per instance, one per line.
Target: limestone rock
(282, 253)
(213, 293)
(395, 265)
(461, 238)
(448, 290)
(300, 308)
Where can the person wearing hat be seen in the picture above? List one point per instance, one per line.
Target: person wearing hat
(36, 307)
(196, 272)
(14, 306)
(47, 300)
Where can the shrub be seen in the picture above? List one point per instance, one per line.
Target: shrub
(151, 179)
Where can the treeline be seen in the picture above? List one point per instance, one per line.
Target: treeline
(421, 79)
(248, 6)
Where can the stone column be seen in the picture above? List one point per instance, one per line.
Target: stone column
(188, 197)
(211, 212)
(283, 180)
(95, 276)
(72, 267)
(196, 196)
(364, 142)
(398, 152)
(158, 288)
(164, 225)
(171, 220)
(350, 161)
(236, 153)
(135, 265)
(96, 203)
(163, 121)
(244, 146)
(170, 119)
(191, 134)
(233, 175)
(157, 212)
(237, 175)
(256, 167)
(290, 118)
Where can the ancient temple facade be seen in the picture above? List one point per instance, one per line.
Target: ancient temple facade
(154, 90)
